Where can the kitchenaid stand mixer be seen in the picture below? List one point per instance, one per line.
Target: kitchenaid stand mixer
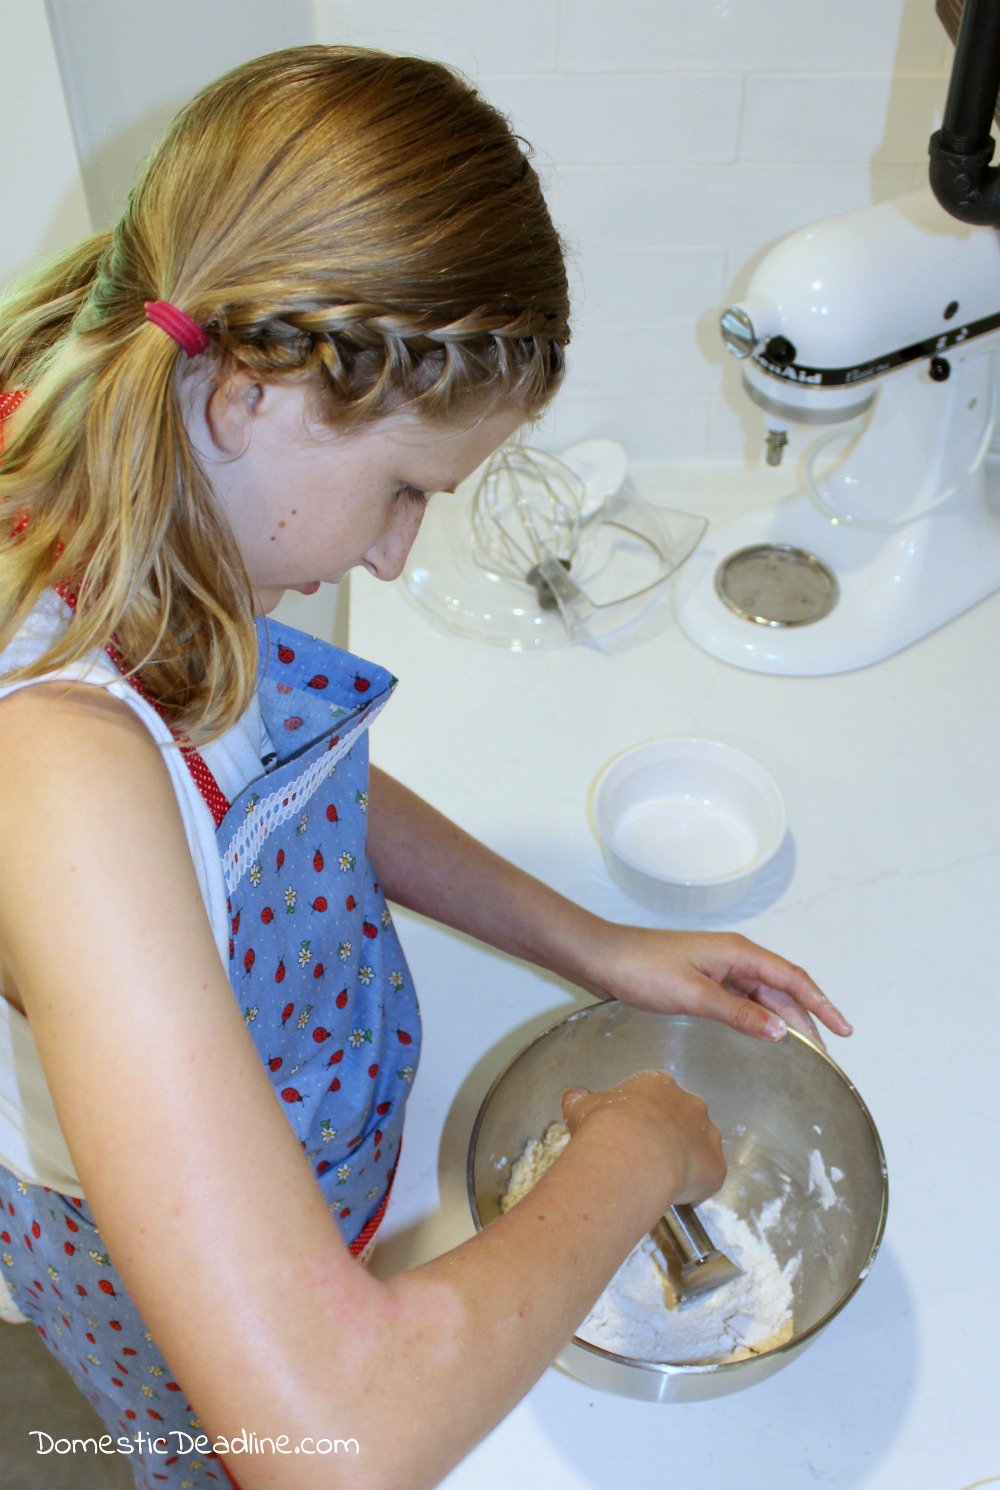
(885, 323)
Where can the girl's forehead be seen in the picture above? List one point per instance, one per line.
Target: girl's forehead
(457, 445)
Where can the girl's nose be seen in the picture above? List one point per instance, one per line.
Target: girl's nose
(389, 554)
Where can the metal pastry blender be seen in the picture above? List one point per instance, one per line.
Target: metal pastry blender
(690, 1262)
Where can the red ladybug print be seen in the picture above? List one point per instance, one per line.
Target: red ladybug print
(289, 1094)
(373, 1072)
(275, 1063)
(318, 861)
(361, 684)
(334, 1085)
(318, 970)
(293, 722)
(279, 858)
(342, 999)
(279, 974)
(249, 958)
(331, 814)
(319, 904)
(319, 681)
(267, 915)
(236, 923)
(370, 931)
(320, 1034)
(285, 654)
(336, 1058)
(107, 1287)
(383, 1108)
(350, 902)
(287, 1011)
(284, 688)
(404, 1038)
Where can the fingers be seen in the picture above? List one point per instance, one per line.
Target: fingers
(571, 1108)
(742, 1012)
(666, 1129)
(783, 1006)
(762, 975)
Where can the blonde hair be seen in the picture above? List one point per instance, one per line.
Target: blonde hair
(363, 222)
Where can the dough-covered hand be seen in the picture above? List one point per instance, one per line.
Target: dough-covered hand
(719, 975)
(663, 1130)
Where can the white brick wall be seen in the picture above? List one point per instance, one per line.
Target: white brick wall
(676, 139)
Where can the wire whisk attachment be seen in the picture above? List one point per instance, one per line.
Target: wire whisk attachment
(527, 510)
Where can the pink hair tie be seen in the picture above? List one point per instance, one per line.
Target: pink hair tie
(186, 333)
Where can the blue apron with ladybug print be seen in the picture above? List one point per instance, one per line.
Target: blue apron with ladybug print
(314, 958)
(320, 976)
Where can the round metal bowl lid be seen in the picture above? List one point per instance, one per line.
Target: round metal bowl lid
(775, 584)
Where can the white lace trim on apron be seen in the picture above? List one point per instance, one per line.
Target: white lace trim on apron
(268, 812)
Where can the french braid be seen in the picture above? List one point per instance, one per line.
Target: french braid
(367, 224)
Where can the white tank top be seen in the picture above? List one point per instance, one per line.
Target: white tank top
(32, 1145)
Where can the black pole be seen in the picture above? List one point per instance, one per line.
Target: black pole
(961, 176)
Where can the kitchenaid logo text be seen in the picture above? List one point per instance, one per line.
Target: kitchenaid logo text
(176, 1441)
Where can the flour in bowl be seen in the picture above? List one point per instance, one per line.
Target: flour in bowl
(746, 1317)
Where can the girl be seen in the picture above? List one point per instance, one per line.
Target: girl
(335, 290)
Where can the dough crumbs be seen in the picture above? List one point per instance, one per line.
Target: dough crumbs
(746, 1317)
(537, 1155)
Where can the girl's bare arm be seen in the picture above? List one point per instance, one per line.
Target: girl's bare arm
(428, 864)
(196, 1179)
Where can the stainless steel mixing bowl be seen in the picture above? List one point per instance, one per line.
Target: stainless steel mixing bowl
(790, 1120)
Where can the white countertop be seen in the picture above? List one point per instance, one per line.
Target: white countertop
(888, 894)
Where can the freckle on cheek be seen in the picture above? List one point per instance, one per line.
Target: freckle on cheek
(281, 523)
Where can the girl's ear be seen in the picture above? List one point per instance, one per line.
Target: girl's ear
(230, 409)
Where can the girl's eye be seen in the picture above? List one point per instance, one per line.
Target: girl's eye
(412, 492)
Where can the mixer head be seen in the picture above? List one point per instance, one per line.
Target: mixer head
(835, 309)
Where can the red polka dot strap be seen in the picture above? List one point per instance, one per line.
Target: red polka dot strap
(215, 798)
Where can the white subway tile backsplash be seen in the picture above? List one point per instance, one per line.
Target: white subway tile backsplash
(685, 206)
(634, 286)
(633, 360)
(649, 120)
(654, 429)
(675, 140)
(517, 36)
(749, 35)
(835, 118)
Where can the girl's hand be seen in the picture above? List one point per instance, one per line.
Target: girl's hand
(670, 1133)
(719, 975)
